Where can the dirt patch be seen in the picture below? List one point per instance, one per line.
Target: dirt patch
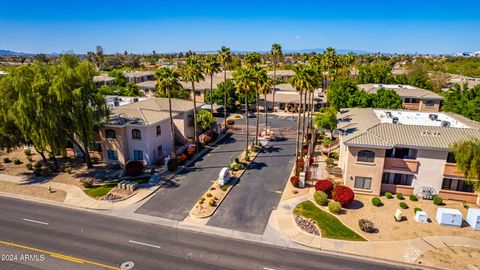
(451, 258)
(33, 191)
(389, 229)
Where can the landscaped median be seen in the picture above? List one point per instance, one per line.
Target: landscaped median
(208, 203)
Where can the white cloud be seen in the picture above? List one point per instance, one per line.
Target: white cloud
(297, 37)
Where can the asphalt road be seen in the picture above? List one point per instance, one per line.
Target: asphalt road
(175, 203)
(93, 241)
(248, 207)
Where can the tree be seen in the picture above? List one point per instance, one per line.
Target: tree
(260, 76)
(463, 100)
(326, 120)
(387, 99)
(245, 83)
(252, 59)
(205, 119)
(218, 94)
(168, 81)
(191, 71)
(467, 156)
(212, 66)
(225, 57)
(276, 54)
(265, 87)
(340, 93)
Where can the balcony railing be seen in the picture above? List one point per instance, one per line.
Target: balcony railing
(399, 164)
(450, 169)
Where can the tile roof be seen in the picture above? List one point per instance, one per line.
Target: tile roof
(404, 91)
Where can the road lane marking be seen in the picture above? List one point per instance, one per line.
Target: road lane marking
(266, 268)
(35, 221)
(59, 256)
(143, 244)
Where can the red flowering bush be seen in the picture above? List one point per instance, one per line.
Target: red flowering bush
(207, 139)
(294, 180)
(343, 194)
(190, 151)
(324, 185)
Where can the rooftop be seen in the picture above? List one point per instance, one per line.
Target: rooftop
(404, 91)
(390, 128)
(138, 73)
(103, 78)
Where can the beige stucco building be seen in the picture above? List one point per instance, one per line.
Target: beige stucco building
(413, 98)
(403, 152)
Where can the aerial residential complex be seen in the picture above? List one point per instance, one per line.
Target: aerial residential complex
(413, 98)
(403, 151)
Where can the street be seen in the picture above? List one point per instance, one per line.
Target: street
(84, 240)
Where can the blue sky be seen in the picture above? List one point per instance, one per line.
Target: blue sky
(142, 26)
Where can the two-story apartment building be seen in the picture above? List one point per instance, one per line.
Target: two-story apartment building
(414, 98)
(403, 151)
(141, 130)
(137, 76)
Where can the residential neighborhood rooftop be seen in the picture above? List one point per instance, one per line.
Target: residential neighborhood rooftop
(404, 91)
(103, 78)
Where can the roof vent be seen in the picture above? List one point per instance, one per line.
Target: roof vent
(388, 114)
(433, 117)
(445, 124)
(135, 99)
(395, 120)
(116, 103)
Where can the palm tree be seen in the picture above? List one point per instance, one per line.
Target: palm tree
(260, 75)
(212, 66)
(276, 54)
(252, 59)
(191, 71)
(225, 57)
(331, 62)
(244, 80)
(168, 81)
(265, 87)
(302, 81)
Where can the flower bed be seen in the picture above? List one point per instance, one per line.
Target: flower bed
(306, 225)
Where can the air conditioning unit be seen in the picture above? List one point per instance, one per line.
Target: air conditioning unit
(395, 120)
(388, 114)
(116, 103)
(135, 99)
(445, 124)
(433, 117)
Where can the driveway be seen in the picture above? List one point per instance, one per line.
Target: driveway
(248, 206)
(176, 202)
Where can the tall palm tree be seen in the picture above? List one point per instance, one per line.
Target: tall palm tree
(331, 63)
(225, 57)
(245, 83)
(260, 75)
(265, 88)
(191, 71)
(212, 66)
(302, 81)
(252, 59)
(168, 81)
(276, 54)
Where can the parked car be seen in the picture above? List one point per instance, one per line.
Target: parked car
(251, 115)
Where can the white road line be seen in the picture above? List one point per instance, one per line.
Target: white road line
(266, 268)
(35, 221)
(143, 244)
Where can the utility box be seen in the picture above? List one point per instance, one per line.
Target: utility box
(473, 218)
(224, 176)
(421, 216)
(449, 217)
(301, 180)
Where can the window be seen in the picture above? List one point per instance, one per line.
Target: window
(451, 158)
(366, 156)
(112, 155)
(137, 154)
(363, 182)
(456, 185)
(97, 147)
(430, 103)
(447, 183)
(136, 134)
(404, 153)
(198, 93)
(110, 134)
(402, 179)
(159, 130)
(386, 178)
(160, 149)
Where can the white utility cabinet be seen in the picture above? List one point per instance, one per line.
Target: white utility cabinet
(473, 218)
(421, 216)
(449, 217)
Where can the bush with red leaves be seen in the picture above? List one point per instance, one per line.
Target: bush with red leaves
(294, 180)
(190, 151)
(343, 194)
(324, 185)
(134, 168)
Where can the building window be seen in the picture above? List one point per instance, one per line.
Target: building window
(112, 155)
(137, 154)
(456, 185)
(363, 182)
(198, 93)
(451, 158)
(386, 178)
(430, 103)
(404, 153)
(366, 156)
(159, 130)
(136, 134)
(97, 147)
(110, 134)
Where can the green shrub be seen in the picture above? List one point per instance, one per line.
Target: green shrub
(255, 149)
(201, 201)
(17, 161)
(334, 207)
(388, 195)
(465, 205)
(212, 202)
(212, 188)
(37, 172)
(68, 170)
(30, 159)
(334, 155)
(413, 198)
(437, 200)
(38, 164)
(225, 188)
(403, 205)
(376, 201)
(87, 183)
(399, 196)
(29, 166)
(329, 161)
(237, 160)
(320, 197)
(238, 166)
(247, 158)
(416, 209)
(27, 152)
(209, 195)
(6, 160)
(327, 141)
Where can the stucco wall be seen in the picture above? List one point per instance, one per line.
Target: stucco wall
(119, 144)
(430, 170)
(434, 108)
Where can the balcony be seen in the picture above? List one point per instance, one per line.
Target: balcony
(411, 106)
(450, 169)
(399, 164)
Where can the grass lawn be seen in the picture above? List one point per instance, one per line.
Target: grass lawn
(329, 225)
(100, 191)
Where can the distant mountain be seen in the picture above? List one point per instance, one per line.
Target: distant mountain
(8, 52)
(300, 51)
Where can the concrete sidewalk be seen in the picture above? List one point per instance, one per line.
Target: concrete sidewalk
(407, 251)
